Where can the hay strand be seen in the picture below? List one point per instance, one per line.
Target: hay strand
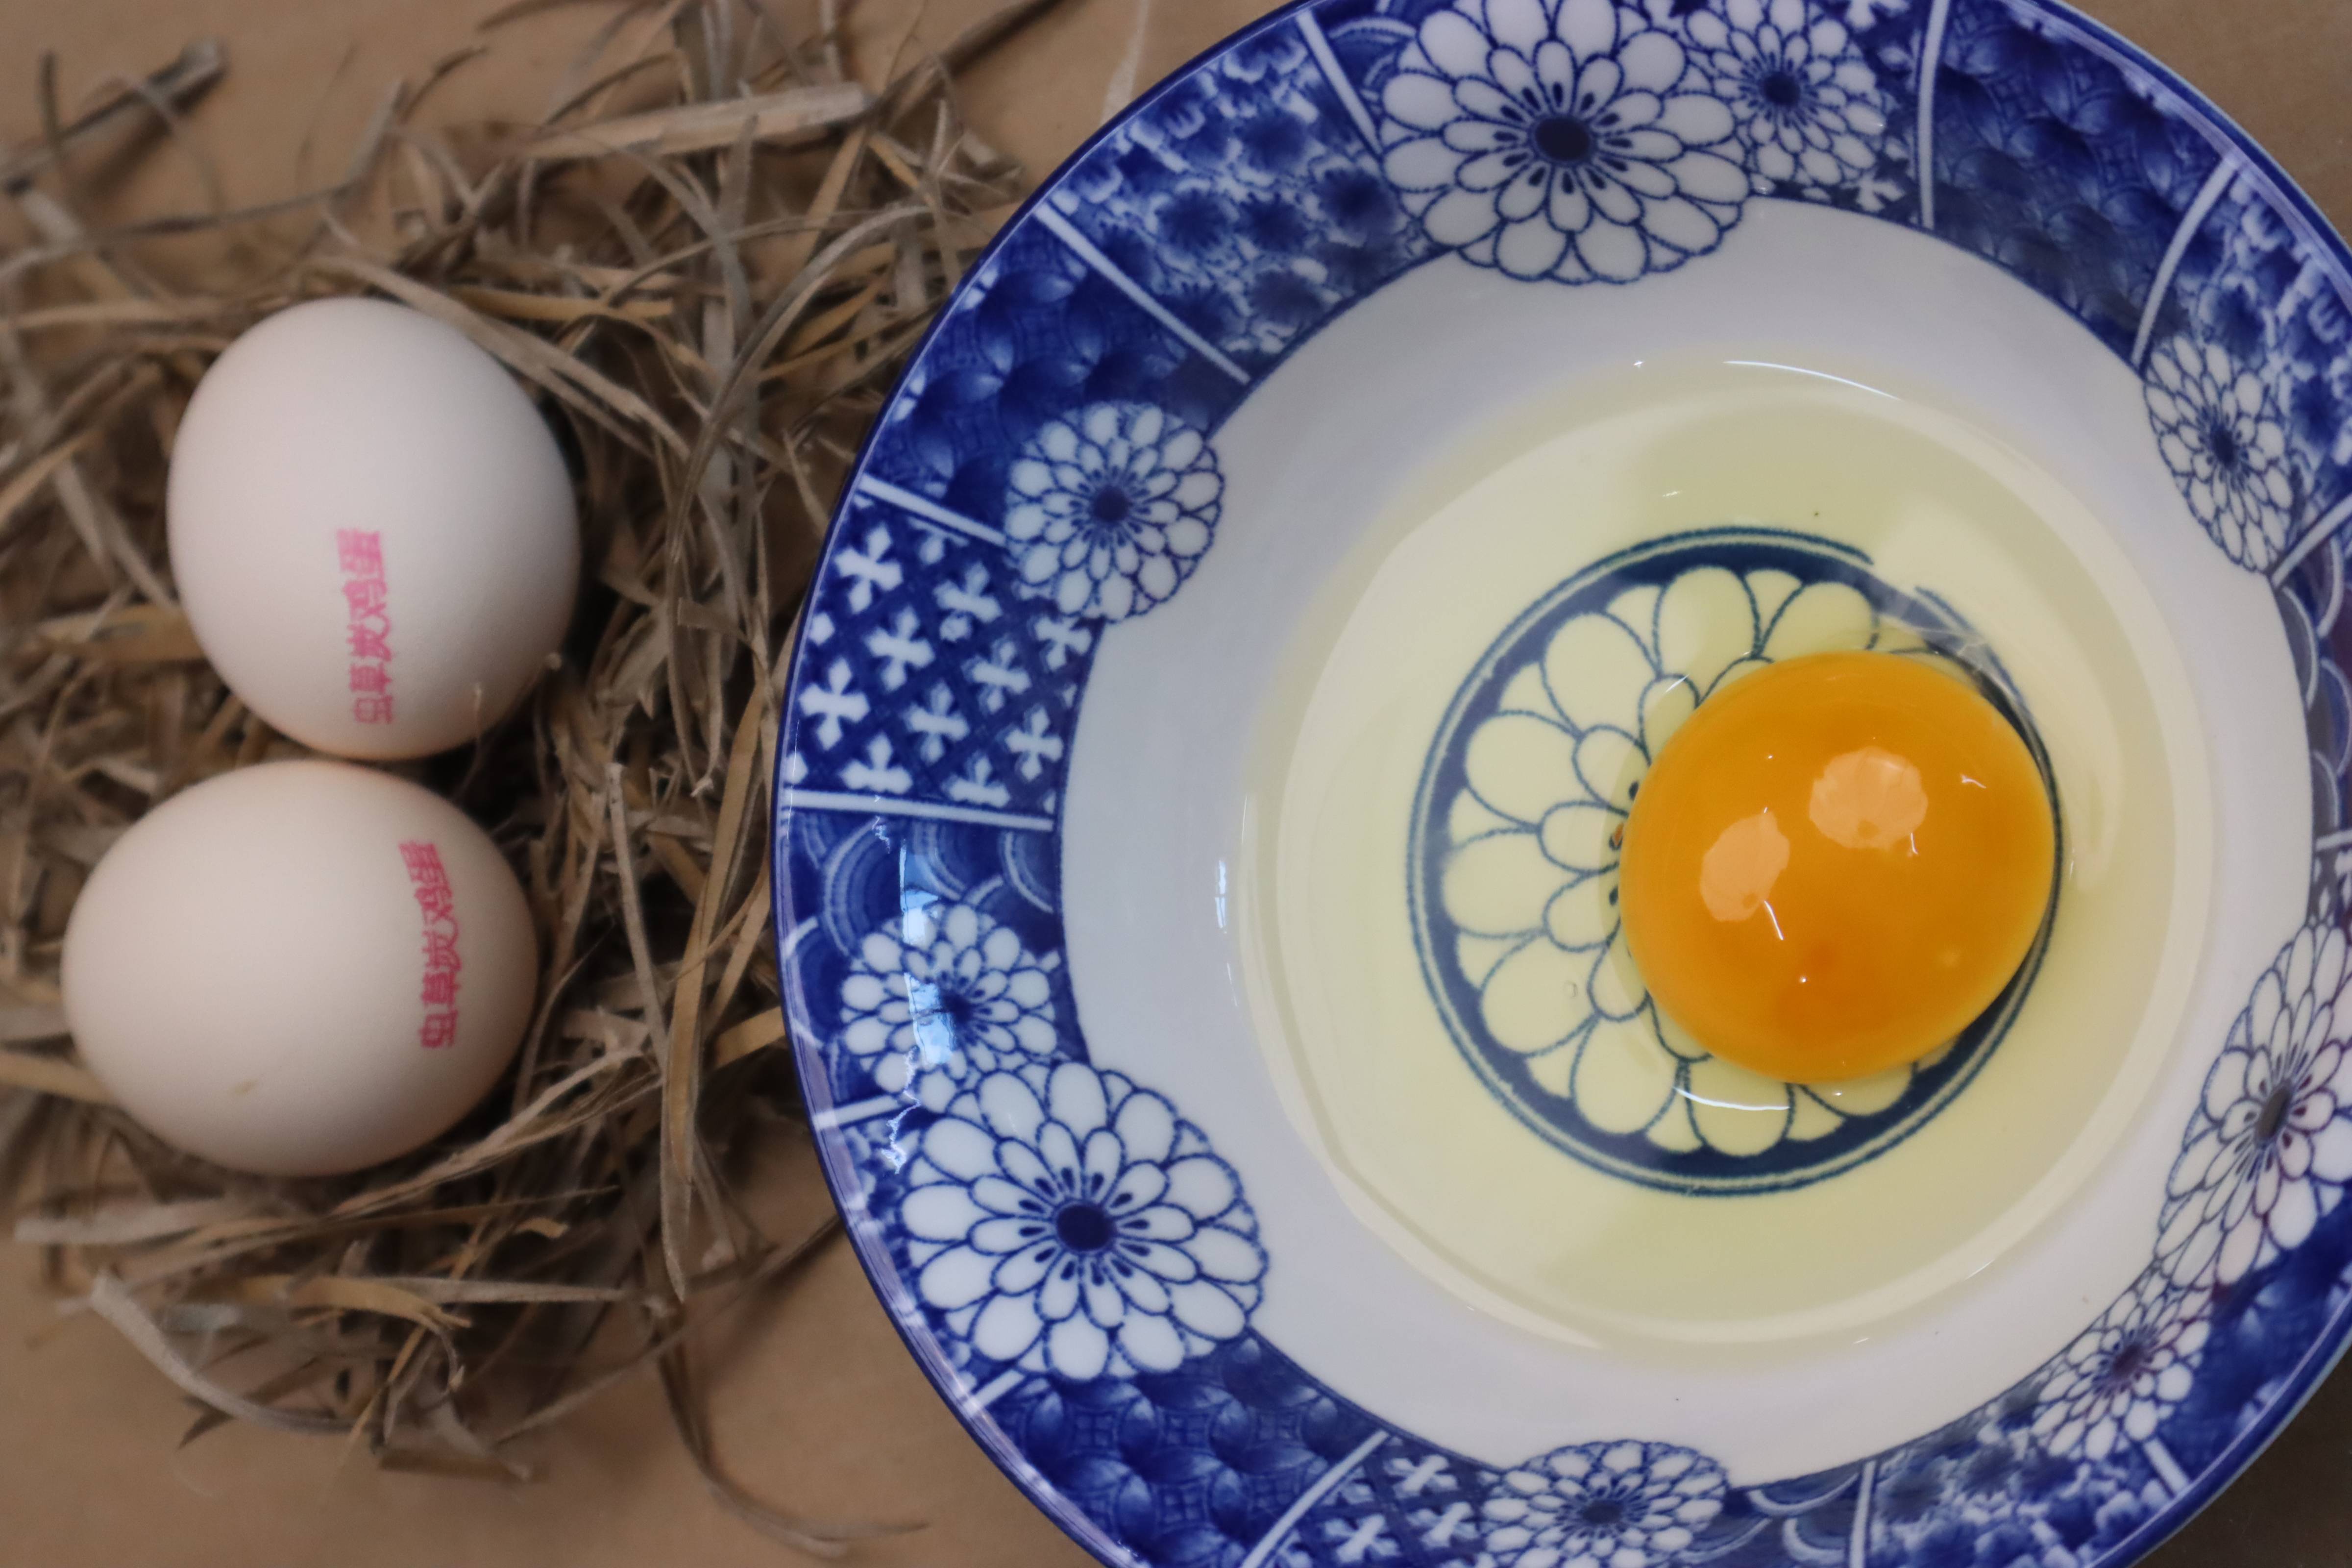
(704, 262)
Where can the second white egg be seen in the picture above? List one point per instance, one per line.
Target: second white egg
(301, 968)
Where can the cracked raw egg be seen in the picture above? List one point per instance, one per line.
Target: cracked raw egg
(1836, 864)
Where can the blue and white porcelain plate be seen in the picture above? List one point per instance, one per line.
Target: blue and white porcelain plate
(1248, 625)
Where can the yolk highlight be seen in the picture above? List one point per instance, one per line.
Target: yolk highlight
(1835, 864)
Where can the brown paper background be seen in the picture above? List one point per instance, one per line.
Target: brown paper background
(818, 1406)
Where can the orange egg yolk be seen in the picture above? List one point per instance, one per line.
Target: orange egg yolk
(1835, 865)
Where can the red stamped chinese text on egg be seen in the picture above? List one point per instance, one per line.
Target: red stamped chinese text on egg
(430, 881)
(368, 624)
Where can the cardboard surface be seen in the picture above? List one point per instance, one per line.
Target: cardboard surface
(819, 1407)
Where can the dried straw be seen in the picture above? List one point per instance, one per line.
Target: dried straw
(706, 261)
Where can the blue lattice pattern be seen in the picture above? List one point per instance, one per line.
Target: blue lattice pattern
(2263, 288)
(2262, 1326)
(1245, 199)
(1406, 1504)
(854, 877)
(1980, 1493)
(2311, 606)
(934, 678)
(1035, 335)
(2258, 293)
(2052, 161)
(1988, 1491)
(1188, 1468)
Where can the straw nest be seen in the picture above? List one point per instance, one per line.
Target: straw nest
(705, 262)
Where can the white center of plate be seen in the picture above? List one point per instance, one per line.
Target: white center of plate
(1551, 1233)
(1164, 830)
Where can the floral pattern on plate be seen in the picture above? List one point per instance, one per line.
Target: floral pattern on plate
(2121, 1374)
(1111, 509)
(1580, 141)
(1238, 211)
(2270, 1148)
(1079, 1227)
(2222, 436)
(1520, 825)
(1626, 1505)
(943, 994)
(1807, 103)
(1561, 139)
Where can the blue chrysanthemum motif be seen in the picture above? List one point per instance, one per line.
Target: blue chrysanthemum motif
(1564, 139)
(2270, 1148)
(1083, 1266)
(2121, 1376)
(1111, 509)
(1527, 896)
(1806, 102)
(1076, 1226)
(2224, 435)
(943, 994)
(1603, 1505)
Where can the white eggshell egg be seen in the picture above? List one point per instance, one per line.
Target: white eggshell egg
(372, 529)
(301, 968)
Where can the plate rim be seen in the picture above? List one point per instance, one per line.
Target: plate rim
(2330, 1342)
